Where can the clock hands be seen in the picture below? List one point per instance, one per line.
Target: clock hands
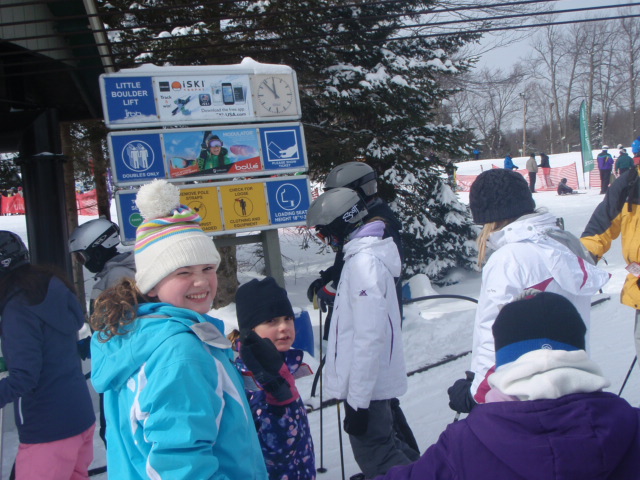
(271, 88)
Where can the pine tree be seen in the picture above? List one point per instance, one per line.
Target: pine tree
(367, 93)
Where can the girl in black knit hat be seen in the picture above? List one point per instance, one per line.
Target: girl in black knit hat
(264, 340)
(529, 251)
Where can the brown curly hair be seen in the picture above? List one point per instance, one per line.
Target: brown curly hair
(116, 308)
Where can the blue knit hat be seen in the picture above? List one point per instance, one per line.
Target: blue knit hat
(543, 321)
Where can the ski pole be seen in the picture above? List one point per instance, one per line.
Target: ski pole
(633, 363)
(321, 468)
(340, 440)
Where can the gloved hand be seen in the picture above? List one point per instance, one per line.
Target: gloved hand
(326, 297)
(355, 421)
(84, 348)
(460, 398)
(262, 358)
(316, 285)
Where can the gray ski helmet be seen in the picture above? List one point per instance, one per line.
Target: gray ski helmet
(354, 175)
(13, 252)
(337, 212)
(99, 232)
(94, 243)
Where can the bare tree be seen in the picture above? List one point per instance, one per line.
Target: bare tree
(629, 55)
(555, 65)
(488, 104)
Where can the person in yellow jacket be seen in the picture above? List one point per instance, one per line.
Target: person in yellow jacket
(618, 215)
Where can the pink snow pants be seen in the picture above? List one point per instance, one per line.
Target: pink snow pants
(66, 459)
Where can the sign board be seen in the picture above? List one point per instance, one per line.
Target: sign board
(206, 153)
(231, 207)
(150, 96)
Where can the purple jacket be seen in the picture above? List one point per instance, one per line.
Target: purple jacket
(584, 436)
(605, 161)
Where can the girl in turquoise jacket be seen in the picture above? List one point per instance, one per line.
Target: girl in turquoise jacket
(174, 402)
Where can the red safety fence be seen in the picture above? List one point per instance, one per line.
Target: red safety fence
(86, 203)
(12, 205)
(542, 184)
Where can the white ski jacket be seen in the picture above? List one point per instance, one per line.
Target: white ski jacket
(365, 359)
(531, 252)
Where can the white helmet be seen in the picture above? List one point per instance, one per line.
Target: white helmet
(94, 243)
(354, 175)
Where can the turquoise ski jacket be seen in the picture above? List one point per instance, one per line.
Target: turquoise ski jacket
(174, 402)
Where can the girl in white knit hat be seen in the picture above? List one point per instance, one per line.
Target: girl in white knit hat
(174, 402)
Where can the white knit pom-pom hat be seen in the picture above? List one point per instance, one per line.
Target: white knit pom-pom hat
(170, 236)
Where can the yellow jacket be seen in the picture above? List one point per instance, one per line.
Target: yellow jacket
(618, 213)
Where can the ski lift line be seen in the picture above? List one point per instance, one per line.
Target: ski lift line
(259, 42)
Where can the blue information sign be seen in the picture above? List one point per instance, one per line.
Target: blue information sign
(128, 214)
(282, 147)
(137, 158)
(129, 100)
(289, 200)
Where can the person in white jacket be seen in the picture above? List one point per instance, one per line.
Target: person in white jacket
(529, 252)
(365, 360)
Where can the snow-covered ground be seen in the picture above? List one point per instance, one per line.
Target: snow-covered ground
(432, 330)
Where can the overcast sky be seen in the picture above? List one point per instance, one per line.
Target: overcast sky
(505, 57)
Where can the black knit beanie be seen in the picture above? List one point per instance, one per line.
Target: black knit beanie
(260, 300)
(499, 194)
(546, 321)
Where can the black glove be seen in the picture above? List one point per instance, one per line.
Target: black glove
(460, 398)
(355, 421)
(84, 348)
(316, 285)
(262, 358)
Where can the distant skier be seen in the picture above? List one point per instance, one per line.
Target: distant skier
(563, 188)
(508, 163)
(605, 165)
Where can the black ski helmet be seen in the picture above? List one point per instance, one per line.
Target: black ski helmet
(13, 252)
(337, 212)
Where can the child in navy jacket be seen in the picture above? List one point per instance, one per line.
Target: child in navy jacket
(267, 332)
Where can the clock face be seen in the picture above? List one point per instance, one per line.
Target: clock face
(275, 94)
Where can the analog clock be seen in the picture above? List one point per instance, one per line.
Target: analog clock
(274, 95)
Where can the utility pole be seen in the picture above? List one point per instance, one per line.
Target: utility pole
(524, 125)
(551, 128)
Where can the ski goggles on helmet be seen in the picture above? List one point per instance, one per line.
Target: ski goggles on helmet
(215, 143)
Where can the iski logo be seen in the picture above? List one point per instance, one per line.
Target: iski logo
(350, 214)
(188, 84)
(5, 263)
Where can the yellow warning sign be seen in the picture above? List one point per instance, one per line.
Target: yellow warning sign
(204, 201)
(244, 206)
